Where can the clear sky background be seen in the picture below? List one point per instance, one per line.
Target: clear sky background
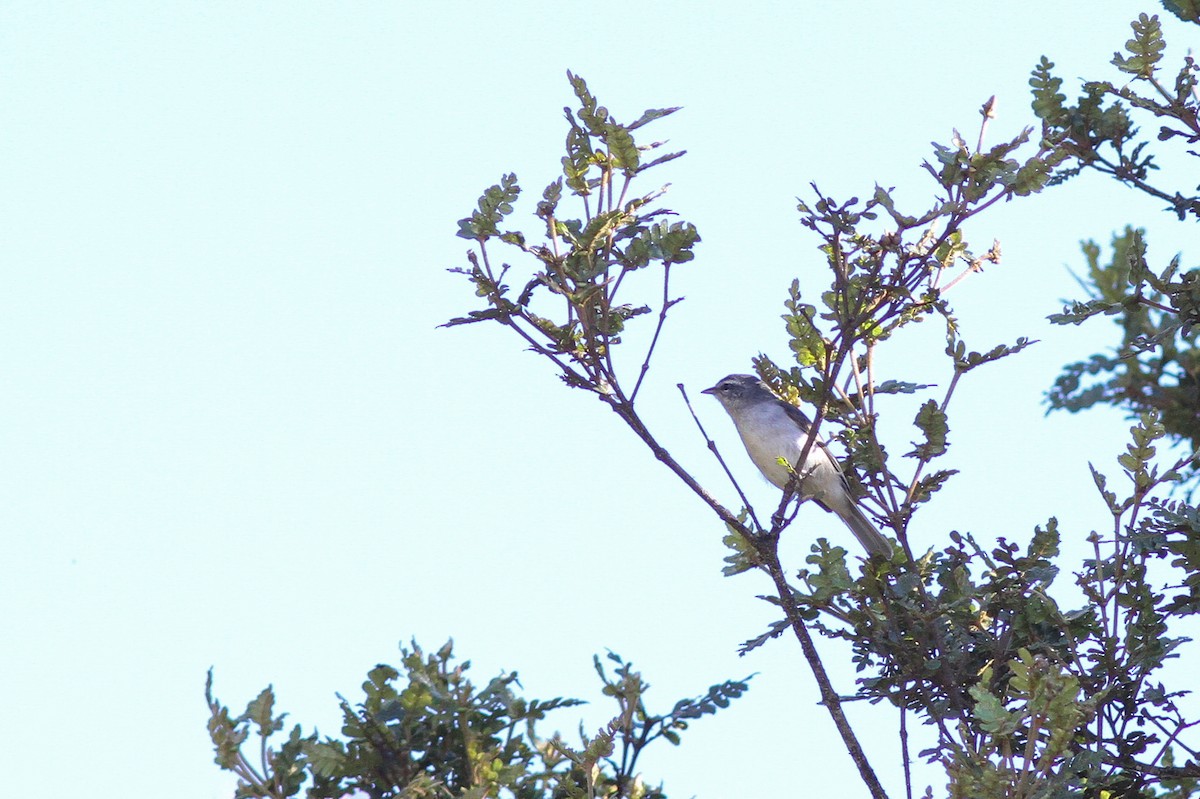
(232, 436)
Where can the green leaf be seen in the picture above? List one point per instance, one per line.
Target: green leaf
(550, 197)
(1048, 102)
(1145, 48)
(1101, 481)
(227, 736)
(478, 316)
(1078, 312)
(931, 421)
(260, 710)
(580, 157)
(493, 205)
(806, 340)
(930, 484)
(989, 711)
(662, 159)
(592, 114)
(968, 361)
(899, 387)
(884, 198)
(718, 697)
(743, 556)
(1032, 177)
(1044, 545)
(650, 115)
(775, 630)
(623, 149)
(670, 243)
(1186, 10)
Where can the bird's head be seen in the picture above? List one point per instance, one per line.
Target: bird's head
(736, 391)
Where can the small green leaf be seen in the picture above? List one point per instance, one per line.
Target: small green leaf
(1101, 481)
(493, 205)
(623, 149)
(550, 197)
(989, 711)
(966, 361)
(328, 758)
(1032, 177)
(930, 484)
(650, 115)
(884, 198)
(1186, 10)
(806, 340)
(899, 387)
(931, 421)
(1145, 48)
(743, 556)
(260, 710)
(1048, 102)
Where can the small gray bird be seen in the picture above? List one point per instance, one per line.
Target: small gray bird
(772, 429)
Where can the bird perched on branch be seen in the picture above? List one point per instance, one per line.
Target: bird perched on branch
(772, 429)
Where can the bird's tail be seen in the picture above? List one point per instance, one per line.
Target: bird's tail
(864, 530)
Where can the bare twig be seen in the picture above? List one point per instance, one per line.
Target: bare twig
(624, 189)
(623, 409)
(1190, 771)
(712, 446)
(989, 113)
(829, 697)
(905, 756)
(662, 318)
(970, 268)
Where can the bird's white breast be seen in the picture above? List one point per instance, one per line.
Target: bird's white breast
(769, 434)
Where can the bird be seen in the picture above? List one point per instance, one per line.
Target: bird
(772, 429)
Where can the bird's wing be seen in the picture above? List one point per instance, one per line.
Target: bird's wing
(801, 419)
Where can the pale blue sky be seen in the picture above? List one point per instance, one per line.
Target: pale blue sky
(231, 435)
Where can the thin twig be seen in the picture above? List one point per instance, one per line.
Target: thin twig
(624, 189)
(829, 697)
(769, 548)
(904, 753)
(1124, 177)
(662, 318)
(1157, 305)
(989, 113)
(1171, 738)
(712, 446)
(623, 409)
(971, 268)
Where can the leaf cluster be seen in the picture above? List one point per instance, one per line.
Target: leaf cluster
(1022, 692)
(581, 264)
(1098, 131)
(426, 732)
(889, 269)
(1156, 364)
(1027, 698)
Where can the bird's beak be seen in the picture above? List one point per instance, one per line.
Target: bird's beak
(712, 390)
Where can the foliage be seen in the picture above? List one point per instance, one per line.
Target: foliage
(1026, 698)
(1103, 137)
(958, 636)
(584, 260)
(1156, 365)
(428, 733)
(890, 269)
(1027, 695)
